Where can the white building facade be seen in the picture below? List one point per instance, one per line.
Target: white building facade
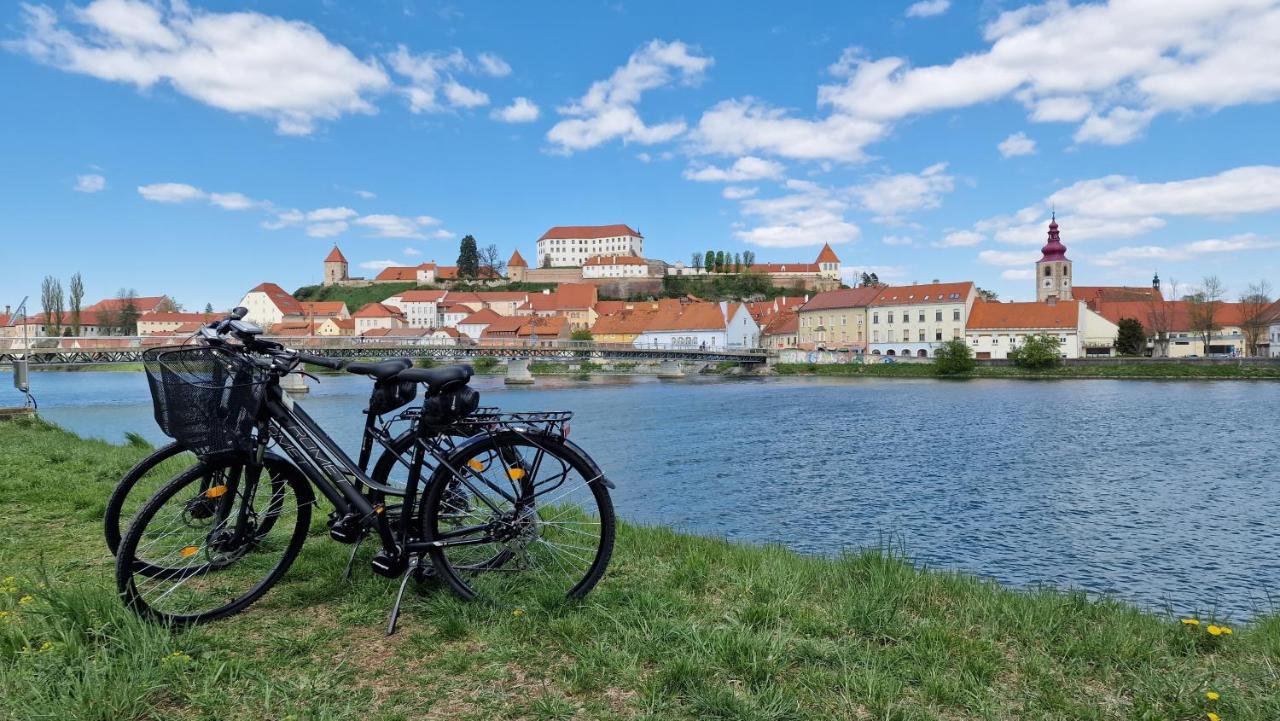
(572, 245)
(915, 320)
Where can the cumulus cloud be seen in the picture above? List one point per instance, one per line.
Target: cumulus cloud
(492, 65)
(608, 110)
(433, 86)
(808, 215)
(232, 201)
(521, 110)
(892, 196)
(960, 239)
(90, 183)
(326, 230)
(1184, 252)
(745, 168)
(171, 192)
(738, 127)
(1006, 257)
(928, 8)
(325, 214)
(242, 62)
(1015, 145)
(378, 264)
(1018, 274)
(400, 226)
(896, 240)
(1248, 189)
(367, 195)
(737, 192)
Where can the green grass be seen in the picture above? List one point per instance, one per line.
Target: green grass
(124, 367)
(1101, 370)
(356, 296)
(682, 627)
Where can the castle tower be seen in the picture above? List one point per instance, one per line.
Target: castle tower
(1155, 282)
(1053, 270)
(335, 268)
(828, 263)
(516, 268)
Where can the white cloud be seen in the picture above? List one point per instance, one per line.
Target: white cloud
(896, 240)
(284, 219)
(241, 62)
(397, 226)
(739, 127)
(378, 264)
(960, 239)
(1005, 257)
(1015, 145)
(608, 110)
(171, 192)
(1185, 252)
(521, 110)
(928, 8)
(853, 273)
(745, 168)
(460, 96)
(367, 195)
(809, 215)
(1117, 65)
(232, 201)
(1244, 241)
(326, 230)
(326, 214)
(433, 86)
(1249, 189)
(889, 197)
(493, 66)
(90, 183)
(1018, 274)
(412, 251)
(737, 192)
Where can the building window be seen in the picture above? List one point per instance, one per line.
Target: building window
(955, 314)
(1046, 271)
(875, 318)
(937, 335)
(921, 316)
(922, 335)
(890, 317)
(937, 315)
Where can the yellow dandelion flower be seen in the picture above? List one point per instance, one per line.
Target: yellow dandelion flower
(1214, 630)
(1211, 695)
(1190, 622)
(46, 646)
(518, 612)
(9, 580)
(1213, 716)
(25, 600)
(1226, 630)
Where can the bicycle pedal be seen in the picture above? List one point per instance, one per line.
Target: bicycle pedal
(389, 565)
(346, 529)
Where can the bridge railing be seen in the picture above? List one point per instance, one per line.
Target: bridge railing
(355, 343)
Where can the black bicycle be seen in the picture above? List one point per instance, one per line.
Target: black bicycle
(513, 509)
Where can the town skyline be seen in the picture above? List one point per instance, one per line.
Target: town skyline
(433, 125)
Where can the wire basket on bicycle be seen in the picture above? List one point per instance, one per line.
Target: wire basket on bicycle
(205, 398)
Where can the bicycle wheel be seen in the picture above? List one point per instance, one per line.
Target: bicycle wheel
(524, 514)
(392, 466)
(197, 550)
(138, 485)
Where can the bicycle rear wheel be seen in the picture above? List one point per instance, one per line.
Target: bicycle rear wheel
(207, 545)
(139, 484)
(523, 514)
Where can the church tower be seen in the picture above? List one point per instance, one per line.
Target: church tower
(1053, 270)
(335, 267)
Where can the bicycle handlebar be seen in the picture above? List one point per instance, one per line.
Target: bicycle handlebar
(321, 361)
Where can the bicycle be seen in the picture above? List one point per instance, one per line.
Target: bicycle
(515, 508)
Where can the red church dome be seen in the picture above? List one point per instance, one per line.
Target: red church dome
(1054, 249)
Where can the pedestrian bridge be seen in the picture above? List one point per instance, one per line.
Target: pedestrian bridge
(79, 351)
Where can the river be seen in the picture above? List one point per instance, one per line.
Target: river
(1164, 493)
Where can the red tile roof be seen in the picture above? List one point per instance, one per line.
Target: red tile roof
(692, 316)
(481, 316)
(284, 302)
(174, 317)
(1108, 293)
(398, 273)
(923, 293)
(422, 296)
(144, 304)
(516, 260)
(785, 268)
(378, 310)
(323, 307)
(1019, 316)
(587, 232)
(845, 298)
(335, 256)
(784, 323)
(827, 255)
(1175, 314)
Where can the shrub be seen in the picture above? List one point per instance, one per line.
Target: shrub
(1132, 339)
(484, 364)
(954, 358)
(580, 334)
(1038, 352)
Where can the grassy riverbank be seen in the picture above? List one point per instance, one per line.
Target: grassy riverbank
(1100, 370)
(681, 628)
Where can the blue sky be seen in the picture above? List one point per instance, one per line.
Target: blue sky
(199, 148)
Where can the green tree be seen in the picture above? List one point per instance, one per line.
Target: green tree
(1038, 352)
(1202, 310)
(581, 334)
(468, 258)
(1132, 338)
(709, 263)
(208, 307)
(127, 319)
(51, 301)
(719, 261)
(985, 294)
(695, 262)
(953, 358)
(748, 258)
(75, 296)
(737, 262)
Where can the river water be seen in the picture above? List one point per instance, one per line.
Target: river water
(1162, 493)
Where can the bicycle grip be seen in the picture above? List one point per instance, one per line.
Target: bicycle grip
(321, 361)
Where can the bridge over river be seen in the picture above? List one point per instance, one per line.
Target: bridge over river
(517, 353)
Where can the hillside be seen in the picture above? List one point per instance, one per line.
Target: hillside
(355, 297)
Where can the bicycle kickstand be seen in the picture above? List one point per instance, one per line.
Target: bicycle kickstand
(409, 573)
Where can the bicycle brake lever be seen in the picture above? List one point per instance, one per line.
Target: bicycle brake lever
(304, 373)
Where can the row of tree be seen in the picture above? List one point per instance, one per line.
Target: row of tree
(722, 261)
(63, 311)
(475, 262)
(1204, 318)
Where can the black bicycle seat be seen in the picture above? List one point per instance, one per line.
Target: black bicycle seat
(382, 370)
(436, 377)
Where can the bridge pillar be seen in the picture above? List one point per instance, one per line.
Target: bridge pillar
(518, 372)
(671, 369)
(294, 383)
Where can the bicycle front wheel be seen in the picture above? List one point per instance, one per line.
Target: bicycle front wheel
(139, 484)
(519, 514)
(210, 542)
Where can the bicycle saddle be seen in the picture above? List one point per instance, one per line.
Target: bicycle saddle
(436, 377)
(381, 371)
